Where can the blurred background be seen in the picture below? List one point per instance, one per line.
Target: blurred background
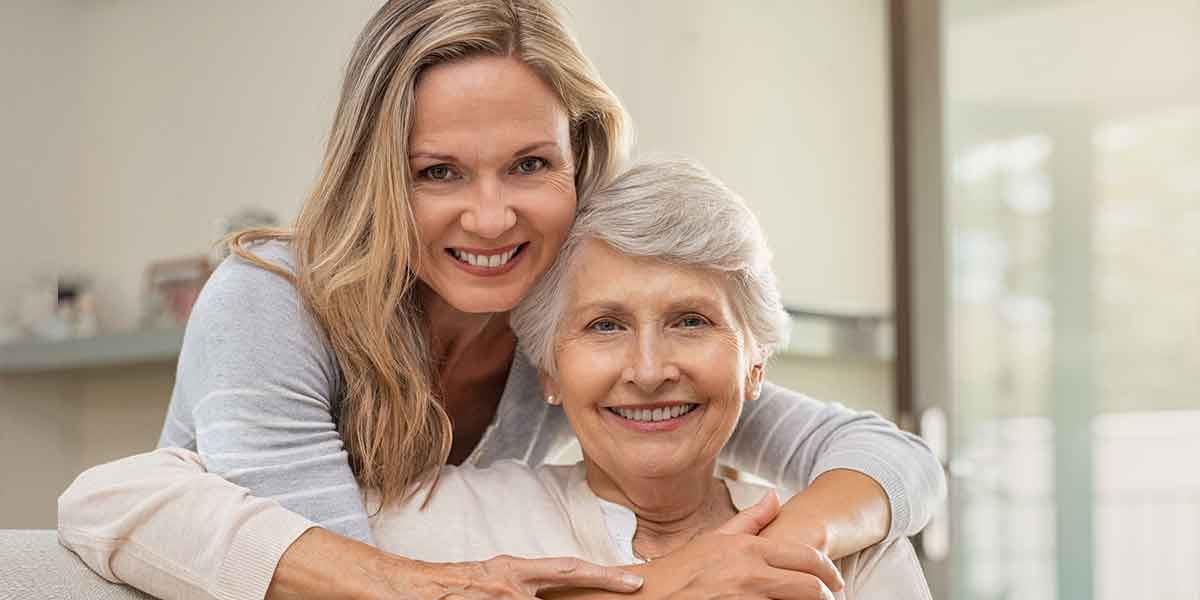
(985, 213)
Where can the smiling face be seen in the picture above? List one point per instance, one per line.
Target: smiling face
(653, 365)
(493, 180)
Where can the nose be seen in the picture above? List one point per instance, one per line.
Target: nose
(490, 216)
(651, 365)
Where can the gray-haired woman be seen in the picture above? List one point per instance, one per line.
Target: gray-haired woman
(650, 332)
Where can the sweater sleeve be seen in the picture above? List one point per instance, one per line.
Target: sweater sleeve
(158, 522)
(886, 570)
(255, 396)
(791, 439)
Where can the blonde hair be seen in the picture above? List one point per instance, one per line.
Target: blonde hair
(672, 211)
(355, 240)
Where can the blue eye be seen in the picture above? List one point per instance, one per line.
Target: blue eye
(530, 165)
(604, 326)
(692, 321)
(437, 173)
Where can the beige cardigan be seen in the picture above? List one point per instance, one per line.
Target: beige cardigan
(160, 522)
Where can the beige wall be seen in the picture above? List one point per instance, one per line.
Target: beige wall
(40, 107)
(194, 111)
(145, 123)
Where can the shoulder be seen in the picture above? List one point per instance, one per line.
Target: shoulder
(250, 324)
(239, 280)
(241, 296)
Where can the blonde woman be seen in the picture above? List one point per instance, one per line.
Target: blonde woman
(370, 343)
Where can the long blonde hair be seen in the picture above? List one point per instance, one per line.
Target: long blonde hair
(355, 240)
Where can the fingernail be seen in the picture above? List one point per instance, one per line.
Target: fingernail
(634, 581)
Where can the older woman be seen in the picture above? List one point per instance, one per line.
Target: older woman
(650, 331)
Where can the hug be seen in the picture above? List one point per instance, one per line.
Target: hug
(366, 402)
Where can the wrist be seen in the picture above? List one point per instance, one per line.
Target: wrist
(796, 524)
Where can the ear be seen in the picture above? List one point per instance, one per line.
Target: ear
(754, 381)
(549, 389)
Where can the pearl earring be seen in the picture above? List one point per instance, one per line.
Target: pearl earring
(550, 399)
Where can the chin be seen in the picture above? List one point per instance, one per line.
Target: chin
(487, 301)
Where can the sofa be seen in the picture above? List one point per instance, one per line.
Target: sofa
(34, 566)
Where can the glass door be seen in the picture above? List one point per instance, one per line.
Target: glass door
(1072, 256)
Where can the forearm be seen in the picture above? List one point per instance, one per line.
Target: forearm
(158, 522)
(787, 439)
(321, 564)
(841, 513)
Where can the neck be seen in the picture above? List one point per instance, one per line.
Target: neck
(670, 510)
(455, 335)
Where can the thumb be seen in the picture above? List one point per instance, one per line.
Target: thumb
(753, 519)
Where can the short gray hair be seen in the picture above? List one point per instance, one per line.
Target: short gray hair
(676, 212)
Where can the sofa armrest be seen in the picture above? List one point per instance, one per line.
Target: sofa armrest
(34, 565)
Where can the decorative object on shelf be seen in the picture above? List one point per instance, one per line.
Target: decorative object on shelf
(246, 218)
(56, 309)
(172, 287)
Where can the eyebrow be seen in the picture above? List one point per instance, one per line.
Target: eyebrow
(702, 303)
(452, 158)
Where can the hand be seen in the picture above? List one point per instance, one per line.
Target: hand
(321, 564)
(505, 577)
(733, 561)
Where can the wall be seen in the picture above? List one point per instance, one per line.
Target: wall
(40, 106)
(167, 117)
(784, 100)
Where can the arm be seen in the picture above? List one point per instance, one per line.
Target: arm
(888, 570)
(254, 396)
(863, 479)
(160, 520)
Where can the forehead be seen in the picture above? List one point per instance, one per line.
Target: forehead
(602, 275)
(481, 101)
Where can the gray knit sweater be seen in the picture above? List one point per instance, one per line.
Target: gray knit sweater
(257, 389)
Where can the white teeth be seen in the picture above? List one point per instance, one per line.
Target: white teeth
(657, 414)
(490, 262)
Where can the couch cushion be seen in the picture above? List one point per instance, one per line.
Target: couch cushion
(34, 565)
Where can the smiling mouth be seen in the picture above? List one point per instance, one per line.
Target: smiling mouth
(486, 261)
(646, 415)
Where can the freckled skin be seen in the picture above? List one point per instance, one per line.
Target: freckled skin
(491, 161)
(640, 331)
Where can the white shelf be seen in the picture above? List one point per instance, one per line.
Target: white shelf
(813, 336)
(109, 350)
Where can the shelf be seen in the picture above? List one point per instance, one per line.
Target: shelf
(841, 337)
(814, 335)
(109, 350)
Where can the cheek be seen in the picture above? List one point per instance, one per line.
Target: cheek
(718, 370)
(553, 209)
(432, 218)
(586, 373)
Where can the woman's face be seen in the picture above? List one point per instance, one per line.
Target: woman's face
(653, 366)
(493, 180)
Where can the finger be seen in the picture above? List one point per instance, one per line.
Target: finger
(753, 519)
(546, 573)
(804, 559)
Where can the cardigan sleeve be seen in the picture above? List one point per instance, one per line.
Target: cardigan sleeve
(256, 395)
(160, 523)
(790, 439)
